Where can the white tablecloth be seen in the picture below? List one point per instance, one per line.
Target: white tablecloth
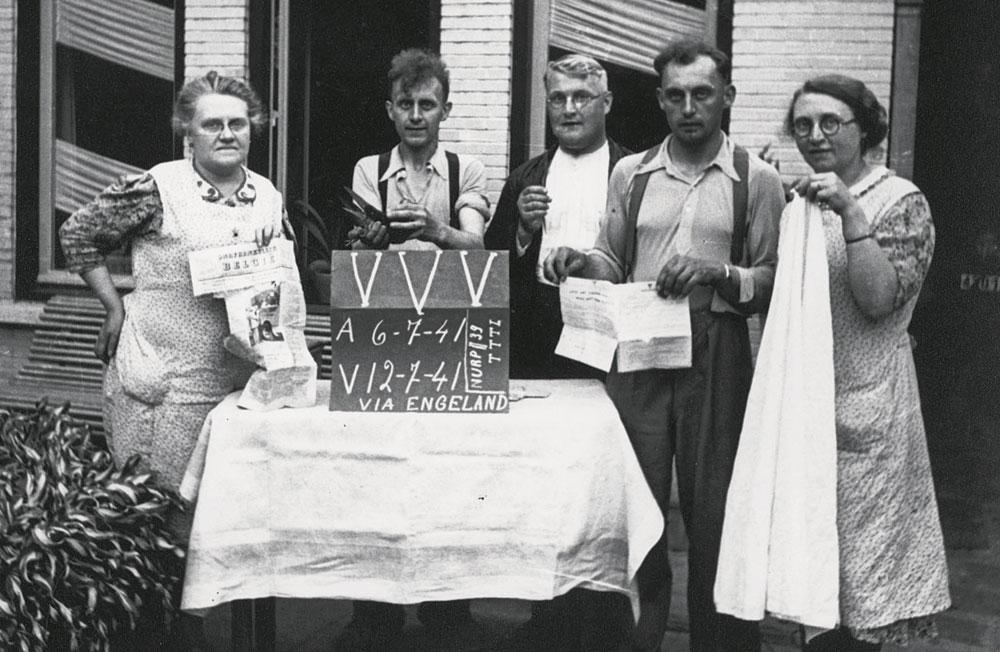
(412, 507)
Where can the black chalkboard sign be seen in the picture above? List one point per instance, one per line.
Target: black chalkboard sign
(419, 331)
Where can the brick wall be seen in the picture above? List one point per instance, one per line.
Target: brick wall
(8, 66)
(778, 44)
(476, 41)
(215, 37)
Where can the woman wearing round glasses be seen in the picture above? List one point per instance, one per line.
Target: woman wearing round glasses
(879, 241)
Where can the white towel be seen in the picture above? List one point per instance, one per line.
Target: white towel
(779, 551)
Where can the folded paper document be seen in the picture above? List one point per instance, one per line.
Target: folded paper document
(647, 331)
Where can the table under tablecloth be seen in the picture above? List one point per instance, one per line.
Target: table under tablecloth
(405, 508)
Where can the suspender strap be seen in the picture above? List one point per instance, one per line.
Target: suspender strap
(741, 193)
(453, 184)
(383, 184)
(634, 202)
(453, 181)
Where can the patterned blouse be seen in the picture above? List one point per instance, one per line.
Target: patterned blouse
(131, 208)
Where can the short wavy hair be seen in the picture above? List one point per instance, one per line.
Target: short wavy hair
(577, 65)
(684, 51)
(215, 84)
(873, 120)
(414, 66)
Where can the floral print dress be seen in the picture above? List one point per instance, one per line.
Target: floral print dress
(170, 368)
(893, 567)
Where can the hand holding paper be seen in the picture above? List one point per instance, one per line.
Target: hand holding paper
(649, 332)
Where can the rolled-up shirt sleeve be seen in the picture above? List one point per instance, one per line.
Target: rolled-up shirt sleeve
(613, 237)
(472, 188)
(765, 205)
(125, 210)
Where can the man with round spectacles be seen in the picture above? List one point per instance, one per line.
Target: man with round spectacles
(558, 199)
(555, 199)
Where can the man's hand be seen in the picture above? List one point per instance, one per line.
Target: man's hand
(682, 274)
(374, 236)
(563, 262)
(416, 221)
(107, 341)
(532, 207)
(769, 156)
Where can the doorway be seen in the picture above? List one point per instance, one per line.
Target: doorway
(339, 54)
(955, 323)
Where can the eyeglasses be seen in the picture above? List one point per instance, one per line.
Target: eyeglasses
(828, 124)
(579, 100)
(215, 127)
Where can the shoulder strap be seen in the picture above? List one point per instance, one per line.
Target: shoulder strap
(383, 184)
(741, 193)
(634, 202)
(453, 181)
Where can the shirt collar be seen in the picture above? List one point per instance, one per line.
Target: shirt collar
(246, 194)
(438, 163)
(603, 150)
(723, 160)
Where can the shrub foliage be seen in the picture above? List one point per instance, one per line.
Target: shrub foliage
(83, 545)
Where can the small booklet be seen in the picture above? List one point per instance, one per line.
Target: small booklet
(647, 331)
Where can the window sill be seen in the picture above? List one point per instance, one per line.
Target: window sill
(20, 313)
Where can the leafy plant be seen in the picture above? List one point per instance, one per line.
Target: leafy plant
(83, 545)
(315, 234)
(317, 237)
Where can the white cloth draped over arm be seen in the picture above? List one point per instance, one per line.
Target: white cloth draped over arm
(779, 551)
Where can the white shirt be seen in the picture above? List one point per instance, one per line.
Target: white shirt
(578, 188)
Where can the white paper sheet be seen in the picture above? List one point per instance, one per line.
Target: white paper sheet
(233, 267)
(648, 331)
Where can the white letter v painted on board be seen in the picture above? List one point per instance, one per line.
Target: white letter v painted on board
(366, 293)
(427, 287)
(477, 294)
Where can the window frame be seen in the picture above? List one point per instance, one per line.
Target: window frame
(45, 278)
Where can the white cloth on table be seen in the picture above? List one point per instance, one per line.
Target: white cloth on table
(405, 508)
(779, 551)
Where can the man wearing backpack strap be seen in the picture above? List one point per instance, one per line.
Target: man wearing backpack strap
(699, 217)
(434, 199)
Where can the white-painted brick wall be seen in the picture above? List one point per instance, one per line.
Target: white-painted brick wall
(778, 44)
(8, 149)
(476, 43)
(215, 37)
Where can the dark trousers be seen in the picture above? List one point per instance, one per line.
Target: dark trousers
(385, 616)
(693, 416)
(581, 620)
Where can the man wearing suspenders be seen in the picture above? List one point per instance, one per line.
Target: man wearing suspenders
(699, 217)
(434, 200)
